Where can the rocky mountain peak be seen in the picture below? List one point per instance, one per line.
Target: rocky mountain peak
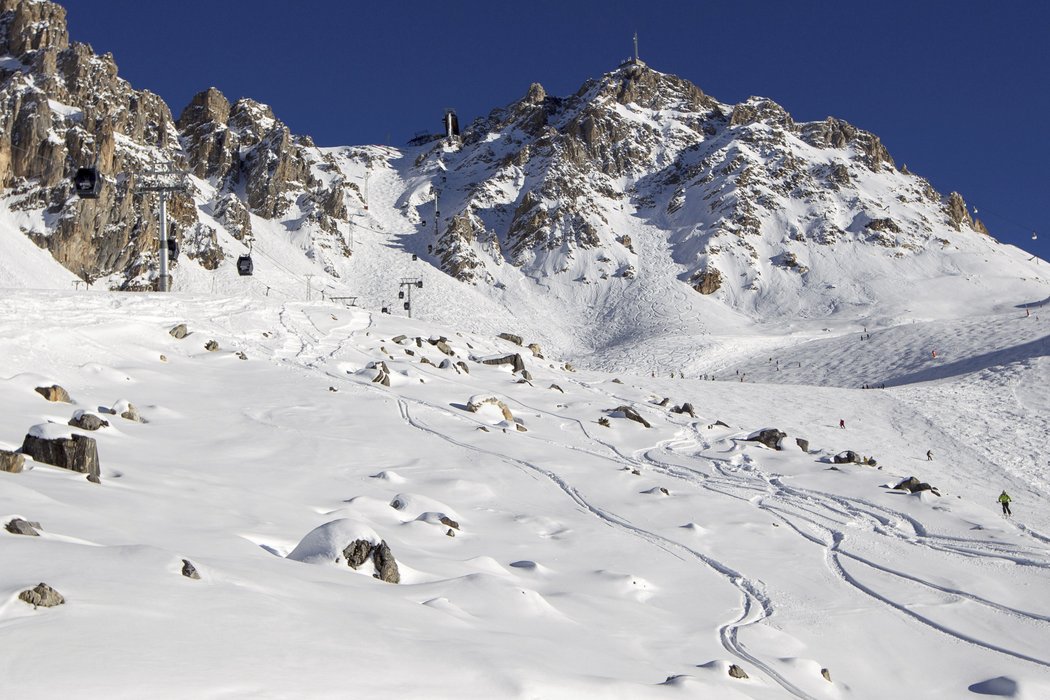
(32, 25)
(206, 106)
(536, 94)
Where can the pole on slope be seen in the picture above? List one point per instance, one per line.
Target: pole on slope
(163, 182)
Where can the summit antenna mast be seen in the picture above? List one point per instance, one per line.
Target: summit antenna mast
(636, 47)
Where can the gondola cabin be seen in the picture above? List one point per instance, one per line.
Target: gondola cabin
(87, 183)
(173, 249)
(244, 266)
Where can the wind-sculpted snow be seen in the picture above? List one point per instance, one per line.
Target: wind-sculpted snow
(571, 560)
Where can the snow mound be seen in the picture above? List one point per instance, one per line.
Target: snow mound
(325, 544)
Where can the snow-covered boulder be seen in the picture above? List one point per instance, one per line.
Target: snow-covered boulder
(54, 444)
(350, 542)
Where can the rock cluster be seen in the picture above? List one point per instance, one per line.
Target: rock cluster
(360, 551)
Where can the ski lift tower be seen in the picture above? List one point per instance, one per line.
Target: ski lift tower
(408, 283)
(164, 181)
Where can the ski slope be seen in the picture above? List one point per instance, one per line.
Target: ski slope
(589, 561)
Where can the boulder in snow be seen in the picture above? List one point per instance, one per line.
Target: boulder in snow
(50, 445)
(631, 414)
(913, 485)
(87, 421)
(11, 462)
(179, 332)
(17, 526)
(189, 570)
(846, 457)
(54, 393)
(42, 595)
(514, 361)
(770, 437)
(516, 339)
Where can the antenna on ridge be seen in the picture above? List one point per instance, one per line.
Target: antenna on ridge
(636, 47)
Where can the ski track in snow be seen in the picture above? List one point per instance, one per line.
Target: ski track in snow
(794, 506)
(855, 535)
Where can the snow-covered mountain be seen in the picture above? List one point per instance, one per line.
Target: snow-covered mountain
(636, 214)
(600, 453)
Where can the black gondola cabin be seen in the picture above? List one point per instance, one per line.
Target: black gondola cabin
(87, 183)
(244, 265)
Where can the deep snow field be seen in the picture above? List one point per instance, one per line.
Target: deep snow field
(590, 561)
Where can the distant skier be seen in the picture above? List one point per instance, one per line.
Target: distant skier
(842, 423)
(929, 455)
(934, 354)
(1004, 498)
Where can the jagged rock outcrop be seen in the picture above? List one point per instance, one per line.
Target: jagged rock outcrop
(62, 106)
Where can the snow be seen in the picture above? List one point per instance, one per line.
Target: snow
(572, 573)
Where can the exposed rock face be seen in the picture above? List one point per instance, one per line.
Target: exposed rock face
(78, 453)
(708, 282)
(958, 214)
(102, 120)
(42, 595)
(53, 393)
(11, 462)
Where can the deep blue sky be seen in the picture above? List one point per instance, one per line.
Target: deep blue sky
(958, 91)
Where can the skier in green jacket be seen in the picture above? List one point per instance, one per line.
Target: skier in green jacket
(1004, 498)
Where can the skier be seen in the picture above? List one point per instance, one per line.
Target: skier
(934, 354)
(842, 423)
(1004, 498)
(929, 455)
